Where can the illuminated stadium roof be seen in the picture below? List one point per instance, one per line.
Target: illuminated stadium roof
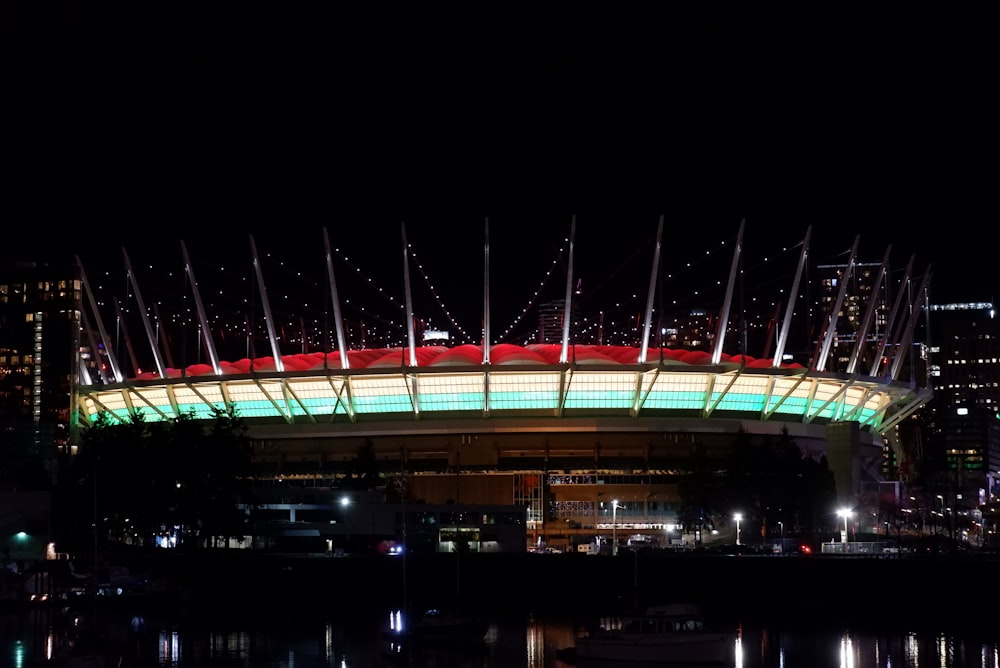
(520, 381)
(507, 380)
(465, 355)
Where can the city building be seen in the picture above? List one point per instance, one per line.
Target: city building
(40, 328)
(860, 291)
(961, 424)
(589, 439)
(552, 320)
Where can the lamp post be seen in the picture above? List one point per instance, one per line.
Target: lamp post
(845, 513)
(345, 501)
(922, 524)
(614, 527)
(739, 518)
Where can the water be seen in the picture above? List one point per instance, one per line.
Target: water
(331, 638)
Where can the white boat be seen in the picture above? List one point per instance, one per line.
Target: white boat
(675, 633)
(465, 637)
(436, 625)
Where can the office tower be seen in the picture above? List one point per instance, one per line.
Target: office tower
(961, 421)
(865, 282)
(39, 354)
(551, 320)
(40, 312)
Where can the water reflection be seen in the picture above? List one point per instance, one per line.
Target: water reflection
(775, 648)
(44, 638)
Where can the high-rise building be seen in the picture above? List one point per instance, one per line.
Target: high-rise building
(40, 318)
(552, 319)
(40, 326)
(865, 305)
(962, 421)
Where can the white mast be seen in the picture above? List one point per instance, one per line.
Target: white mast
(652, 291)
(720, 334)
(145, 318)
(335, 298)
(202, 317)
(564, 353)
(279, 364)
(786, 324)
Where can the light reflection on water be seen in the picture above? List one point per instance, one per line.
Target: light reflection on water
(47, 638)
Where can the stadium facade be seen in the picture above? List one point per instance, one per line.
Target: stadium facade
(589, 438)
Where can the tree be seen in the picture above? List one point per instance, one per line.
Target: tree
(364, 469)
(220, 481)
(769, 480)
(133, 478)
(697, 489)
(742, 479)
(110, 486)
(815, 494)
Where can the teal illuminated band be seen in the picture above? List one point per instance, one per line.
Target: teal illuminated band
(779, 394)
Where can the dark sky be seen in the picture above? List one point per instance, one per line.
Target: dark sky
(143, 126)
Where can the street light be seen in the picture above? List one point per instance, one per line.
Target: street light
(739, 518)
(346, 501)
(614, 527)
(845, 513)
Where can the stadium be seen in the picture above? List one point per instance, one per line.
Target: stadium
(590, 438)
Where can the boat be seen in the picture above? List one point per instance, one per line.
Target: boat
(436, 638)
(435, 626)
(435, 633)
(663, 635)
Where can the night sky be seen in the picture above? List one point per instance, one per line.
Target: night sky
(141, 127)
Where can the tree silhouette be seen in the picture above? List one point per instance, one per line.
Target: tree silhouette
(364, 471)
(220, 486)
(770, 481)
(699, 490)
(132, 479)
